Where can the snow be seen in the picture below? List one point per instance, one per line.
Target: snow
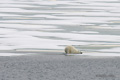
(53, 24)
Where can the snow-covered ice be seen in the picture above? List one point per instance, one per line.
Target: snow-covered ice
(53, 24)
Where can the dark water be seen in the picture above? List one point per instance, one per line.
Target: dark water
(89, 25)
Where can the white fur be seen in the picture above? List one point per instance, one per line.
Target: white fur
(72, 50)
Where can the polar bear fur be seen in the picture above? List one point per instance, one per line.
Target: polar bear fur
(72, 50)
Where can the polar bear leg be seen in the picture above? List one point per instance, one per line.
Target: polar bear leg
(67, 51)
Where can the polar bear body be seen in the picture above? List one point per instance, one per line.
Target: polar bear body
(72, 50)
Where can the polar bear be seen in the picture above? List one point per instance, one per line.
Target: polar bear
(72, 50)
